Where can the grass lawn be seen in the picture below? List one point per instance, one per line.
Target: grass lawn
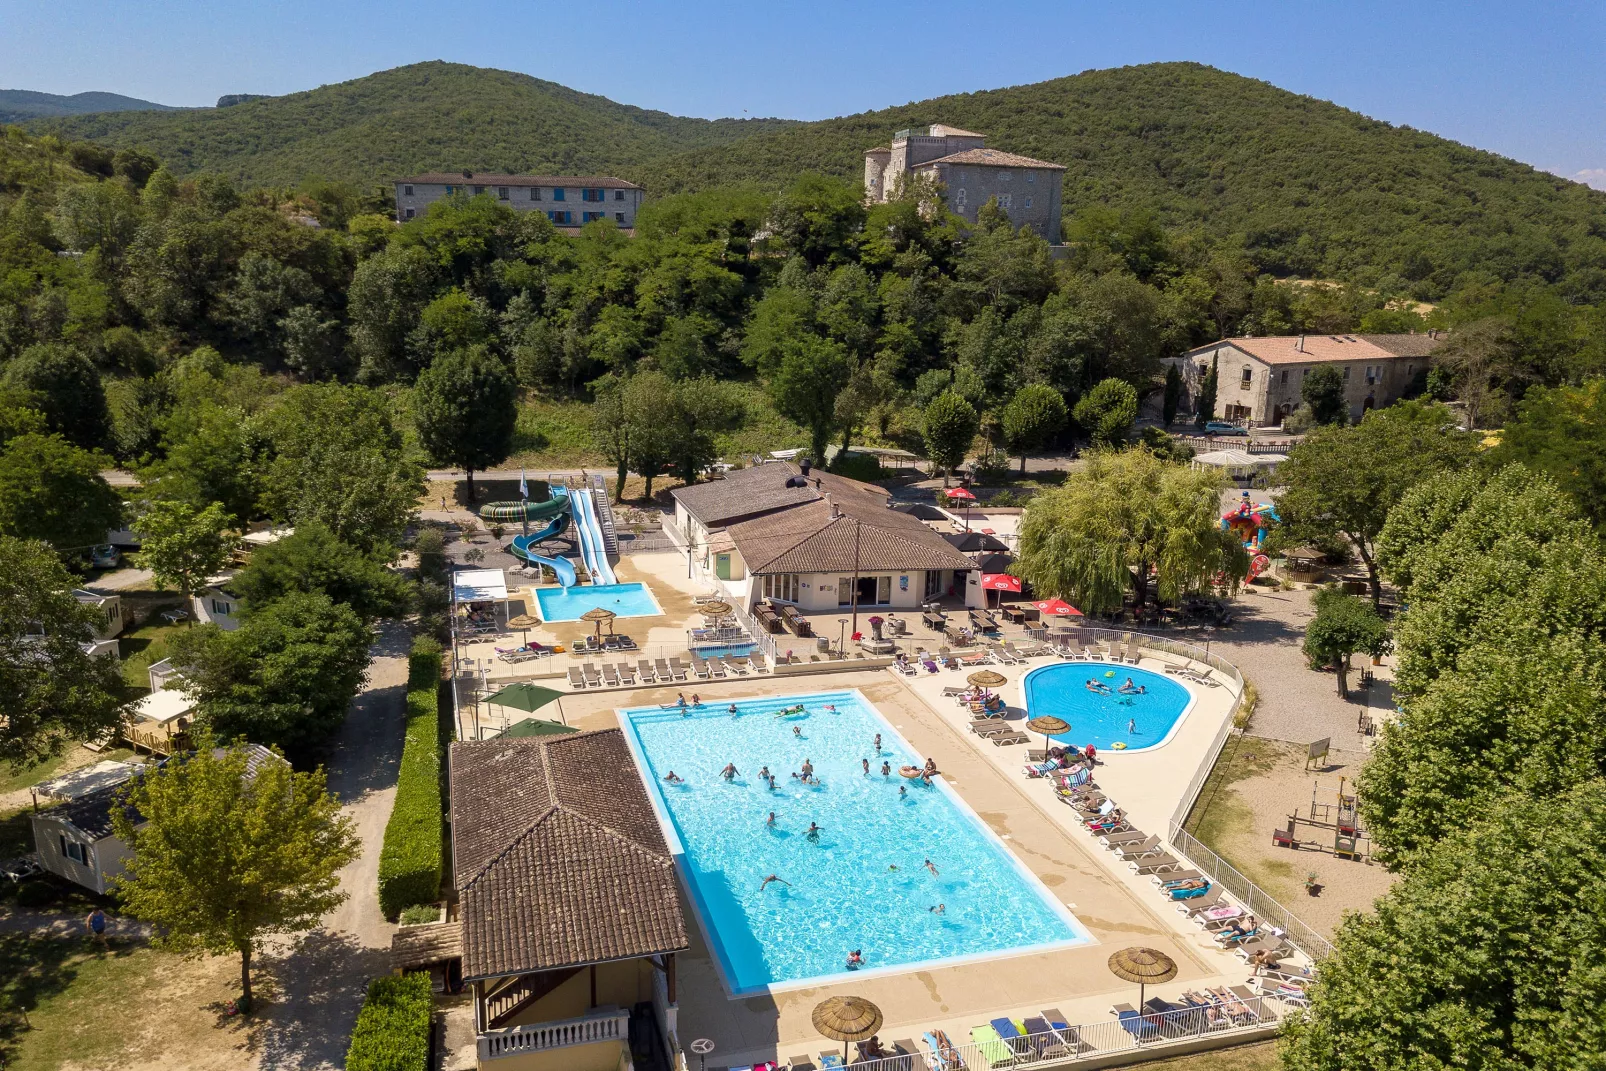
(131, 1007)
(144, 647)
(1221, 816)
(1261, 1056)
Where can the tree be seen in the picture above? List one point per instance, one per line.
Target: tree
(314, 559)
(1481, 358)
(284, 677)
(818, 218)
(1342, 626)
(1485, 955)
(610, 427)
(693, 413)
(1562, 433)
(1204, 409)
(1124, 515)
(466, 406)
(950, 427)
(1173, 394)
(52, 490)
(1108, 411)
(387, 294)
(339, 461)
(182, 545)
(1323, 391)
(1341, 482)
(1032, 418)
(813, 370)
(216, 457)
(652, 440)
(64, 385)
(225, 854)
(53, 693)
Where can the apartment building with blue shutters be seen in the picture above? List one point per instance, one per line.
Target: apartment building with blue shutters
(567, 200)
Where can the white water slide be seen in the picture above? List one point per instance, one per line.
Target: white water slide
(592, 548)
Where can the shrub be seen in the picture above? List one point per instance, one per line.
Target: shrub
(420, 914)
(864, 467)
(990, 470)
(393, 1027)
(410, 861)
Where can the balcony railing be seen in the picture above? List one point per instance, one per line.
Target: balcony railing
(603, 1024)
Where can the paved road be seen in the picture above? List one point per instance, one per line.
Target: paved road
(322, 976)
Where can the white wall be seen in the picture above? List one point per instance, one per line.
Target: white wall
(201, 604)
(107, 857)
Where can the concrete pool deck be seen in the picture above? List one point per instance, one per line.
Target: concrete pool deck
(1118, 908)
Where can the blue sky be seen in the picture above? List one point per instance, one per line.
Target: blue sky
(1523, 79)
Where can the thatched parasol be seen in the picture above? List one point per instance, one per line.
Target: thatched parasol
(986, 678)
(1048, 725)
(847, 1019)
(714, 609)
(1143, 966)
(524, 623)
(597, 615)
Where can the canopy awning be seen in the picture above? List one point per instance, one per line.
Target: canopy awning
(479, 585)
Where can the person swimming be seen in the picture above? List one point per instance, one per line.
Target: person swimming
(814, 832)
(797, 731)
(903, 792)
(808, 769)
(765, 883)
(855, 960)
(729, 772)
(680, 700)
(764, 773)
(674, 778)
(731, 710)
(878, 743)
(830, 708)
(866, 763)
(1131, 726)
(929, 865)
(939, 909)
(771, 821)
(886, 769)
(696, 700)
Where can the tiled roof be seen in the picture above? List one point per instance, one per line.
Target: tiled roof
(1290, 349)
(484, 178)
(1406, 345)
(809, 539)
(557, 856)
(991, 158)
(743, 493)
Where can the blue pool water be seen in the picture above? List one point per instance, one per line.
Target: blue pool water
(1101, 720)
(725, 650)
(863, 884)
(567, 604)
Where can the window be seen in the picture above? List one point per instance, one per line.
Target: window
(1285, 377)
(587, 217)
(618, 195)
(1005, 201)
(1346, 371)
(535, 193)
(478, 190)
(1031, 176)
(78, 853)
(408, 214)
(618, 217)
(1371, 375)
(1028, 202)
(1204, 370)
(450, 190)
(1409, 370)
(782, 586)
(959, 197)
(844, 591)
(1005, 176)
(407, 191)
(557, 194)
(1248, 377)
(559, 217)
(883, 590)
(501, 193)
(593, 195)
(219, 606)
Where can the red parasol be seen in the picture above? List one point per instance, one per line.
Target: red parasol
(1057, 608)
(999, 582)
(960, 493)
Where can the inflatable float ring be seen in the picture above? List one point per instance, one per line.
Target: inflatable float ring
(910, 772)
(1119, 745)
(1109, 673)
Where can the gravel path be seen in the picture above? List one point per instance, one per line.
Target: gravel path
(1296, 703)
(321, 978)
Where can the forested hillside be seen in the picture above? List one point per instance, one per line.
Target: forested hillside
(1304, 187)
(17, 105)
(424, 117)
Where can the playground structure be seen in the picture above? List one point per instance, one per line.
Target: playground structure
(1249, 521)
(1339, 820)
(577, 505)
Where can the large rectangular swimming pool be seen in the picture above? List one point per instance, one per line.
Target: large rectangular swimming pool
(862, 883)
(567, 604)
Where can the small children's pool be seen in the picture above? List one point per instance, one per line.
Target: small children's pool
(1105, 719)
(726, 650)
(862, 883)
(567, 604)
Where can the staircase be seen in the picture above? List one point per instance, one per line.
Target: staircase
(610, 538)
(506, 1002)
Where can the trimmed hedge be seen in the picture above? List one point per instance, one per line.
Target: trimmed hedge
(411, 860)
(393, 1027)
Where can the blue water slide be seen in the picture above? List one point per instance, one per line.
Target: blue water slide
(592, 550)
(562, 567)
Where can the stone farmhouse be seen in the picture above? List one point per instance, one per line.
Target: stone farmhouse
(567, 200)
(1027, 189)
(1259, 379)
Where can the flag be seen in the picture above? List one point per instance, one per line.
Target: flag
(524, 488)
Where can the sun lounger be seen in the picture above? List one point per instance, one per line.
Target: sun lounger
(661, 666)
(1180, 875)
(1132, 850)
(800, 1063)
(944, 1057)
(1251, 1004)
(1014, 736)
(575, 680)
(1266, 942)
(907, 668)
(592, 674)
(1130, 838)
(1236, 1008)
(1156, 864)
(610, 676)
(1134, 1022)
(830, 1060)
(1195, 906)
(1133, 655)
(699, 667)
(931, 667)
(990, 726)
(679, 669)
(1185, 892)
(626, 674)
(734, 668)
(645, 671)
(1056, 1022)
(991, 1046)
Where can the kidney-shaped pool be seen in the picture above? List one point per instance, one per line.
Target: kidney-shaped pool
(1108, 705)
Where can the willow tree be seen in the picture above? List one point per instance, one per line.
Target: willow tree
(1124, 515)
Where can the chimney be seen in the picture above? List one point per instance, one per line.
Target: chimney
(1301, 346)
(835, 510)
(805, 464)
(468, 174)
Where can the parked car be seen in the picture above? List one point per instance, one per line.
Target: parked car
(21, 869)
(1222, 427)
(105, 556)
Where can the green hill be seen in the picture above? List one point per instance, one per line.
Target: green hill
(425, 117)
(18, 105)
(1308, 188)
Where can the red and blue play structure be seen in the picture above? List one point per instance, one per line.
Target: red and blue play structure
(1249, 521)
